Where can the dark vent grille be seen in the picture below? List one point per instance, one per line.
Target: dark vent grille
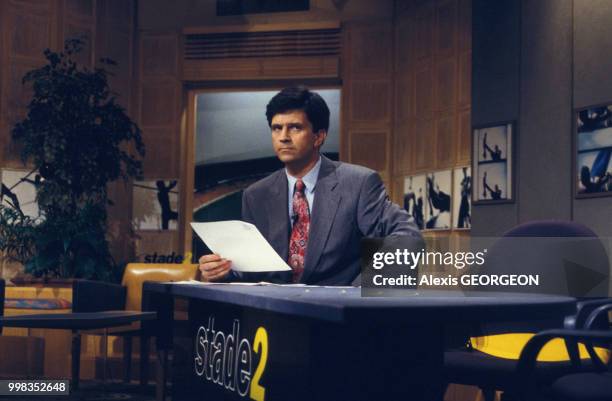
(320, 42)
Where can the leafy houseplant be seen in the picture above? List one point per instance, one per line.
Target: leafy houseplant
(77, 139)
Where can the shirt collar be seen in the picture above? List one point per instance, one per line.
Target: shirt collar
(310, 179)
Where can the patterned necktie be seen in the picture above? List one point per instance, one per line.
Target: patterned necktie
(299, 233)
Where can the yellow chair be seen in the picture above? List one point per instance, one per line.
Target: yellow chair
(133, 278)
(97, 296)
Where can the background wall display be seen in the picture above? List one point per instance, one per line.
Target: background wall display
(19, 190)
(155, 205)
(438, 200)
(462, 204)
(593, 151)
(415, 191)
(492, 163)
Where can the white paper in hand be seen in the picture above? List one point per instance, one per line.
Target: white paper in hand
(242, 243)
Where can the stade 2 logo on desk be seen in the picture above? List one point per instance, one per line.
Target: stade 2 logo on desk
(227, 360)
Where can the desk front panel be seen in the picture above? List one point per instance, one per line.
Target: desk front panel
(232, 352)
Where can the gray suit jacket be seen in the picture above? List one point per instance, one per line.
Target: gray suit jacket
(350, 203)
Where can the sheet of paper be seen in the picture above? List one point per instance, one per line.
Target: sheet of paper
(242, 243)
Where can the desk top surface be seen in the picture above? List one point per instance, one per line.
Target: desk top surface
(345, 304)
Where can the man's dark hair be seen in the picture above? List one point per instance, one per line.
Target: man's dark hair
(300, 98)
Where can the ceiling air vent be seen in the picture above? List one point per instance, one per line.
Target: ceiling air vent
(295, 43)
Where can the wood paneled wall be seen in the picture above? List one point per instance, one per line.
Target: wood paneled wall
(367, 95)
(114, 39)
(27, 27)
(160, 104)
(432, 80)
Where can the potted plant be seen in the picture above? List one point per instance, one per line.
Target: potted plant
(77, 139)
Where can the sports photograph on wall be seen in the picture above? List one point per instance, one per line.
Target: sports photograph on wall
(438, 200)
(593, 151)
(492, 163)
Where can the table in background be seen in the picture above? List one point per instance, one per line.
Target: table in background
(76, 322)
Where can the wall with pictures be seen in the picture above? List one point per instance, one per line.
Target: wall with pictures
(29, 27)
(431, 117)
(164, 77)
(405, 75)
(539, 64)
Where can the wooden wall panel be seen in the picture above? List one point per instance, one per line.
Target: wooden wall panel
(465, 80)
(159, 105)
(119, 12)
(446, 27)
(446, 85)
(26, 29)
(424, 36)
(18, 94)
(432, 129)
(445, 150)
(464, 33)
(424, 94)
(404, 98)
(435, 56)
(81, 8)
(374, 52)
(424, 151)
(464, 139)
(403, 146)
(115, 31)
(161, 160)
(114, 39)
(369, 149)
(371, 101)
(29, 34)
(158, 57)
(404, 55)
(368, 93)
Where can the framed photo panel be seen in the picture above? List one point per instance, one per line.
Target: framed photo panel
(438, 186)
(415, 198)
(155, 205)
(462, 198)
(492, 156)
(19, 190)
(593, 151)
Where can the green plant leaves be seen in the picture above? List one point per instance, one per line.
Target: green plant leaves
(76, 136)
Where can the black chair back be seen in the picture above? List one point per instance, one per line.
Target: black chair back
(97, 296)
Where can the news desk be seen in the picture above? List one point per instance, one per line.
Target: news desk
(316, 343)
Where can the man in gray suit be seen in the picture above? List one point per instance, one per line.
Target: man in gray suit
(315, 211)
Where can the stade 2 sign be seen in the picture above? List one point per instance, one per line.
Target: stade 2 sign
(227, 360)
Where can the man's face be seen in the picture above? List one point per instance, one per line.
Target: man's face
(293, 139)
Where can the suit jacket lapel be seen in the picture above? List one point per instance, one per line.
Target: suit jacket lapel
(326, 201)
(278, 216)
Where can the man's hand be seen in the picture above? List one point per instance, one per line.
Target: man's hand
(214, 267)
